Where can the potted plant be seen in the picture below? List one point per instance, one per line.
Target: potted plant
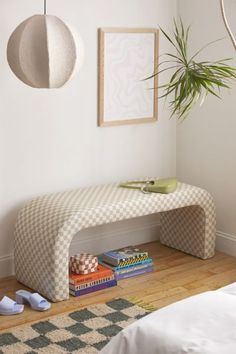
(192, 80)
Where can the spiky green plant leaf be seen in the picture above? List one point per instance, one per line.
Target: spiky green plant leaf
(191, 81)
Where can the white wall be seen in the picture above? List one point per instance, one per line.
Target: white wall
(49, 140)
(206, 142)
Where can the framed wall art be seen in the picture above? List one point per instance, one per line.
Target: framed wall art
(126, 57)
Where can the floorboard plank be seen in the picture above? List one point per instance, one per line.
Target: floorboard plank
(176, 276)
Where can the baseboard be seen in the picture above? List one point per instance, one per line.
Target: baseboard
(226, 243)
(111, 236)
(6, 266)
(102, 238)
(99, 241)
(106, 237)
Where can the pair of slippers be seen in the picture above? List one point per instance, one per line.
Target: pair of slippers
(11, 307)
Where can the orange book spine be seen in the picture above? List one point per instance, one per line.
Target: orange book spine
(79, 279)
(91, 283)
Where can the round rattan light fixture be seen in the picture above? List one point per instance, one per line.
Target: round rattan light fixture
(43, 52)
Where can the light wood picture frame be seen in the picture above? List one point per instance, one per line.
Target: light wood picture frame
(126, 57)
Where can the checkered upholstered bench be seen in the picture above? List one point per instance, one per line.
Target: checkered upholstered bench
(47, 224)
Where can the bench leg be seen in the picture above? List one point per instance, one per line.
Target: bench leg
(189, 230)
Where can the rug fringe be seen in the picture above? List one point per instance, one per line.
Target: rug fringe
(143, 304)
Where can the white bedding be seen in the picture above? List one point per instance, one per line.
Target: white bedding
(202, 324)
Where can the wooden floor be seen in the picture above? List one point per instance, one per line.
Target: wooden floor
(177, 276)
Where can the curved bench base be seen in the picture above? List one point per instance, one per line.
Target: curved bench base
(46, 226)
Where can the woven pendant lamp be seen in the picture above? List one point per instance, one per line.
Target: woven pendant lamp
(43, 52)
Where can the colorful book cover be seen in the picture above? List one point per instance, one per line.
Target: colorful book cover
(125, 255)
(134, 273)
(115, 268)
(108, 284)
(133, 268)
(130, 261)
(92, 283)
(102, 272)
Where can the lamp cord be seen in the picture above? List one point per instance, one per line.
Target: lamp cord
(45, 7)
(227, 26)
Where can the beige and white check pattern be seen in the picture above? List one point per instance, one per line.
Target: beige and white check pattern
(47, 224)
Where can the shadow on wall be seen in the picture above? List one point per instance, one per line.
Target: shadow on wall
(7, 224)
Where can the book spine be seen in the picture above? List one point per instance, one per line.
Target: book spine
(132, 260)
(121, 266)
(94, 288)
(91, 277)
(92, 283)
(118, 263)
(118, 256)
(122, 261)
(133, 274)
(133, 268)
(148, 260)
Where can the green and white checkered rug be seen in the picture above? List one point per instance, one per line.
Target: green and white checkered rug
(84, 331)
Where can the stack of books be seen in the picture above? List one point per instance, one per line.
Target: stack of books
(81, 284)
(127, 262)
